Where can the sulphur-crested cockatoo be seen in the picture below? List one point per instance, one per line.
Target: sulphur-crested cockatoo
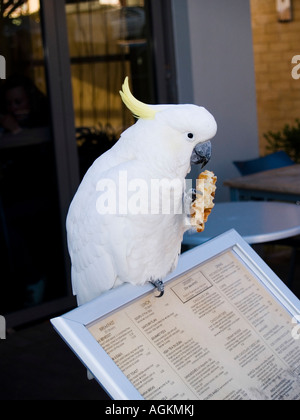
(127, 219)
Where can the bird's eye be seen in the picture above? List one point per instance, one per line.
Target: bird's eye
(190, 135)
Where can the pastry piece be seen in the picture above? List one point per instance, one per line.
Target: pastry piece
(203, 204)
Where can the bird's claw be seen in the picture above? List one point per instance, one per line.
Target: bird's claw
(158, 284)
(189, 198)
(193, 195)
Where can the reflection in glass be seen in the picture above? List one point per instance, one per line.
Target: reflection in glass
(30, 237)
(108, 40)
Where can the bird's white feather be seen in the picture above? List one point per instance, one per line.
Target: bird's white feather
(107, 250)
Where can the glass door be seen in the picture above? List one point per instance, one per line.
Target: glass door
(65, 62)
(31, 245)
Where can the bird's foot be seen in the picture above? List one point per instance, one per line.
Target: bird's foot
(158, 284)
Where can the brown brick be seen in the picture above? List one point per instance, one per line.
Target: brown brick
(274, 45)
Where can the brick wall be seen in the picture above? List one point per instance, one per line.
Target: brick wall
(275, 43)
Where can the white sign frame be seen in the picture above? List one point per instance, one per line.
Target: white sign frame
(72, 326)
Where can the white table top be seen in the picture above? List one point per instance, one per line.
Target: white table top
(255, 221)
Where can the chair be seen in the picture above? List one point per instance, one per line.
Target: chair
(293, 243)
(273, 161)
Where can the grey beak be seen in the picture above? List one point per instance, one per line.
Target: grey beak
(201, 153)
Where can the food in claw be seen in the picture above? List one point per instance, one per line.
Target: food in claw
(204, 202)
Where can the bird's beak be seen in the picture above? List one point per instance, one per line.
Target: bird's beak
(201, 153)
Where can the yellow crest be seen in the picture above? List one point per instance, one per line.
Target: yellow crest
(138, 108)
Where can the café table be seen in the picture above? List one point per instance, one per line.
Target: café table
(256, 221)
(281, 184)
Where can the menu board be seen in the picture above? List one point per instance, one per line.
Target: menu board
(216, 334)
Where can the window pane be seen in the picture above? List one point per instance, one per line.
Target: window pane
(108, 40)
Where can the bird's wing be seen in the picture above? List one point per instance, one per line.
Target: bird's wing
(98, 243)
(109, 249)
(92, 265)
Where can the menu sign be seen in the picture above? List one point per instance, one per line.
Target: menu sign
(217, 333)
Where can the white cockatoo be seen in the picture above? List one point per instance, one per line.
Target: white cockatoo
(127, 219)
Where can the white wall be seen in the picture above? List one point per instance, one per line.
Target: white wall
(215, 68)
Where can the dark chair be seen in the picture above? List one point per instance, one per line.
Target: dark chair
(294, 243)
(273, 161)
